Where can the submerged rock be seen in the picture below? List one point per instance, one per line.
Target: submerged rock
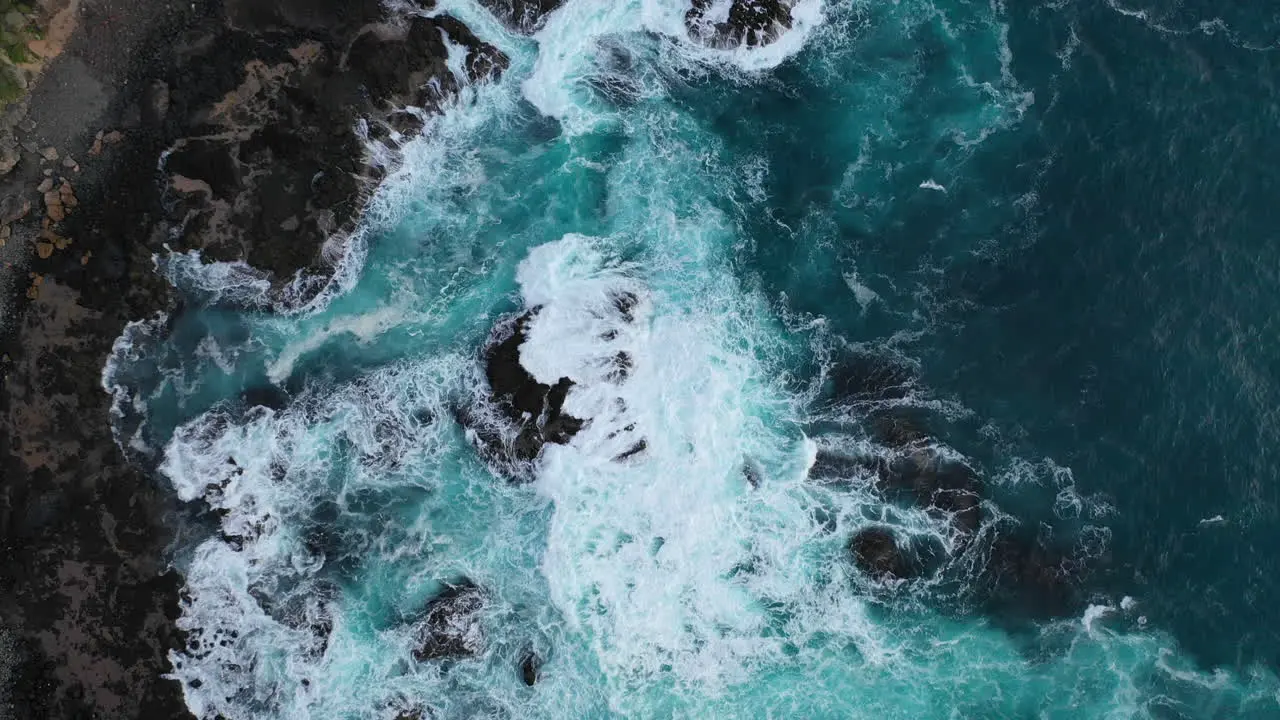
(1026, 578)
(877, 552)
(932, 481)
(451, 628)
(750, 23)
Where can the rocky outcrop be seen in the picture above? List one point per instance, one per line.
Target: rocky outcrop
(877, 553)
(269, 169)
(451, 627)
(929, 479)
(530, 667)
(535, 409)
(526, 16)
(235, 128)
(750, 23)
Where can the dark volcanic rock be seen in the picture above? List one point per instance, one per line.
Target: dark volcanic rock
(751, 22)
(524, 16)
(451, 627)
(930, 480)
(1025, 578)
(535, 408)
(877, 553)
(530, 664)
(269, 162)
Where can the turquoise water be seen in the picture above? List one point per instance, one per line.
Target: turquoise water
(949, 210)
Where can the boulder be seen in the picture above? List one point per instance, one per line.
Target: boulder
(1027, 578)
(877, 552)
(927, 479)
(530, 664)
(752, 23)
(535, 408)
(451, 626)
(523, 16)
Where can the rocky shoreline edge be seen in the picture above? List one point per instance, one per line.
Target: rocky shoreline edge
(143, 127)
(235, 129)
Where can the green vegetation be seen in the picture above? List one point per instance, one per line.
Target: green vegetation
(17, 27)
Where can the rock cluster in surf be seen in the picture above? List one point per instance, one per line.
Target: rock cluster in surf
(1008, 571)
(524, 16)
(536, 409)
(749, 23)
(451, 626)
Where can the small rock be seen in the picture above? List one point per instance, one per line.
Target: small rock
(27, 125)
(69, 162)
(57, 213)
(50, 153)
(31, 147)
(45, 185)
(44, 249)
(67, 195)
(6, 232)
(9, 157)
(530, 664)
(84, 259)
(48, 172)
(14, 207)
(113, 137)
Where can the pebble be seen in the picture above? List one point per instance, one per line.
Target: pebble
(50, 153)
(45, 185)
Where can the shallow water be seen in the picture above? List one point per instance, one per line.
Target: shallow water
(1029, 228)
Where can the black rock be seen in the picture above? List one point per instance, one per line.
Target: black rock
(751, 22)
(525, 16)
(877, 553)
(530, 664)
(640, 446)
(534, 407)
(451, 627)
(930, 481)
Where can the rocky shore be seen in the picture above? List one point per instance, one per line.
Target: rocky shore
(234, 128)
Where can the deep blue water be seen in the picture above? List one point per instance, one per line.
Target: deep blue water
(1044, 231)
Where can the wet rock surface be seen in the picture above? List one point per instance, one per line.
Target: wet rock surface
(534, 408)
(526, 16)
(878, 553)
(750, 23)
(451, 626)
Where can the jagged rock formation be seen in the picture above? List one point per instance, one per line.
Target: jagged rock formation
(526, 16)
(451, 626)
(267, 169)
(750, 23)
(534, 408)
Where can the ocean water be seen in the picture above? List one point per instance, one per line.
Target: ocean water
(1039, 230)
